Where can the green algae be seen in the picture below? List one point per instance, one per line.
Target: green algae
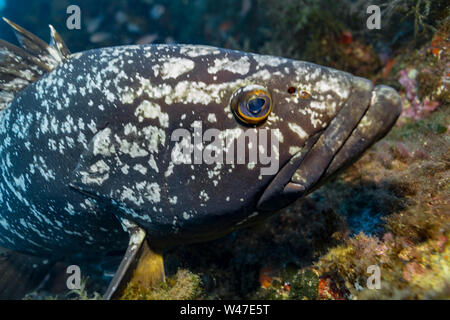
(291, 283)
(413, 252)
(184, 285)
(83, 293)
(305, 285)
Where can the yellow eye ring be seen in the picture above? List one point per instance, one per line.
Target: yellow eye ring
(252, 104)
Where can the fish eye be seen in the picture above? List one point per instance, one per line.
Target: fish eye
(251, 104)
(255, 104)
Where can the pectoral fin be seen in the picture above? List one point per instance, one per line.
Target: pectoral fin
(140, 266)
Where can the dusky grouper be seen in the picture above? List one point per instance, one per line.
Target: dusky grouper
(172, 143)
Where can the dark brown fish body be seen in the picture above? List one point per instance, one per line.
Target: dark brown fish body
(106, 134)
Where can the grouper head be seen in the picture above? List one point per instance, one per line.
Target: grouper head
(223, 139)
(333, 134)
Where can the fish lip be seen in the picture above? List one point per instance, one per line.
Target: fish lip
(322, 160)
(381, 115)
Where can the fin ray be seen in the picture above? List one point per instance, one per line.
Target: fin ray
(20, 67)
(140, 266)
(29, 41)
(58, 43)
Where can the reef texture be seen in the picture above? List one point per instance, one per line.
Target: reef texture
(391, 209)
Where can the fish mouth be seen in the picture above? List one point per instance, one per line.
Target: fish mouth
(367, 116)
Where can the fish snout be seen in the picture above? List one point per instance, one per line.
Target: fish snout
(366, 117)
(382, 113)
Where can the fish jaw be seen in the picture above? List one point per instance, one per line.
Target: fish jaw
(366, 117)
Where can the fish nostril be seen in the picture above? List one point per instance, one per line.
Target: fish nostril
(305, 95)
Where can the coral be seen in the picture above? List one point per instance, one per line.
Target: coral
(412, 106)
(184, 285)
(420, 10)
(304, 285)
(413, 252)
(421, 76)
(291, 283)
(334, 33)
(404, 23)
(316, 31)
(424, 273)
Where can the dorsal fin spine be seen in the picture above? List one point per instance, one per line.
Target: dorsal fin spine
(58, 43)
(19, 67)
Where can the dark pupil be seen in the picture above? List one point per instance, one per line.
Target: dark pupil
(255, 105)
